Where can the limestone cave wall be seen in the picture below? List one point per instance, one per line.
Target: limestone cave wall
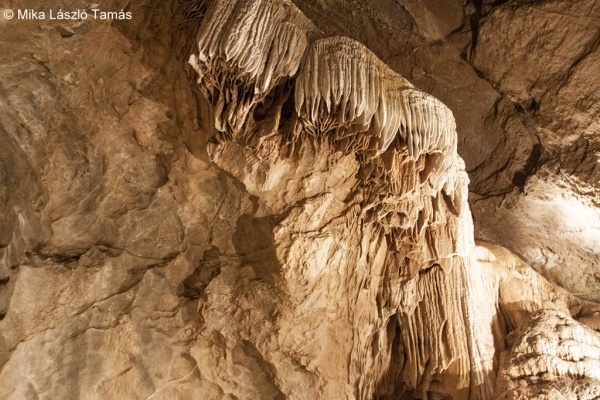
(307, 199)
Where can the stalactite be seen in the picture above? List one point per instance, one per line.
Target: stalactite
(409, 196)
(343, 87)
(245, 49)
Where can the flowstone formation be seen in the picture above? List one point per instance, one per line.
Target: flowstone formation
(224, 200)
(382, 218)
(357, 173)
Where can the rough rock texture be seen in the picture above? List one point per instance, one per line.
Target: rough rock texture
(553, 357)
(546, 73)
(353, 191)
(92, 229)
(521, 79)
(258, 199)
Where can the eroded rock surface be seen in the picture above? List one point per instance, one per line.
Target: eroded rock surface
(253, 199)
(553, 357)
(518, 77)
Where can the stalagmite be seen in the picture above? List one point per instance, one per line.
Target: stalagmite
(553, 357)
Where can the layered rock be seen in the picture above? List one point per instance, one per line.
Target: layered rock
(545, 79)
(320, 245)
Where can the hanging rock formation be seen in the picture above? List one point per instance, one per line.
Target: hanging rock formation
(246, 49)
(344, 87)
(410, 300)
(259, 207)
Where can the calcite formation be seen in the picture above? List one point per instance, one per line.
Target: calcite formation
(344, 87)
(422, 302)
(553, 357)
(258, 207)
(246, 49)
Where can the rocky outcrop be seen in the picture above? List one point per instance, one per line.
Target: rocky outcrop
(400, 144)
(260, 207)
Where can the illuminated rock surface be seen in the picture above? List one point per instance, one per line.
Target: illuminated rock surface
(259, 199)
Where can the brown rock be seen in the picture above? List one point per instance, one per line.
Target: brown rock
(258, 199)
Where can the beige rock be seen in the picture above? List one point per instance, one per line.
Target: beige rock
(553, 357)
(254, 199)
